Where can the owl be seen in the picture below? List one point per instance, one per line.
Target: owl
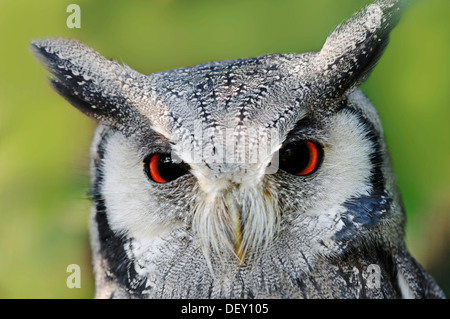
(263, 177)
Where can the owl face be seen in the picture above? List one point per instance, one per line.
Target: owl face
(232, 178)
(247, 168)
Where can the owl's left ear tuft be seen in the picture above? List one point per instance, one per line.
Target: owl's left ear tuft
(352, 49)
(90, 82)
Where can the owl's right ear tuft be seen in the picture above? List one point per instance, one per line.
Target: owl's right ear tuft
(86, 79)
(353, 48)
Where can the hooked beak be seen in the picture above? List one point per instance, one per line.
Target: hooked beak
(234, 211)
(233, 219)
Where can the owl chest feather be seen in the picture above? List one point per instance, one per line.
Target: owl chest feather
(174, 267)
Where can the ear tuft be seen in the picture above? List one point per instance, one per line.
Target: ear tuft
(352, 49)
(86, 79)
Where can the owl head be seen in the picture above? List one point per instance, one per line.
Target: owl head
(236, 162)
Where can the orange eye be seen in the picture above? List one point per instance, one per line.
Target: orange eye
(312, 162)
(301, 158)
(161, 168)
(154, 172)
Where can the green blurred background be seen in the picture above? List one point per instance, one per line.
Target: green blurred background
(44, 142)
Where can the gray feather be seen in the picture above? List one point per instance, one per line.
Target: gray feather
(224, 227)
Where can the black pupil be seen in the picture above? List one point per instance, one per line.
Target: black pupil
(294, 158)
(170, 170)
